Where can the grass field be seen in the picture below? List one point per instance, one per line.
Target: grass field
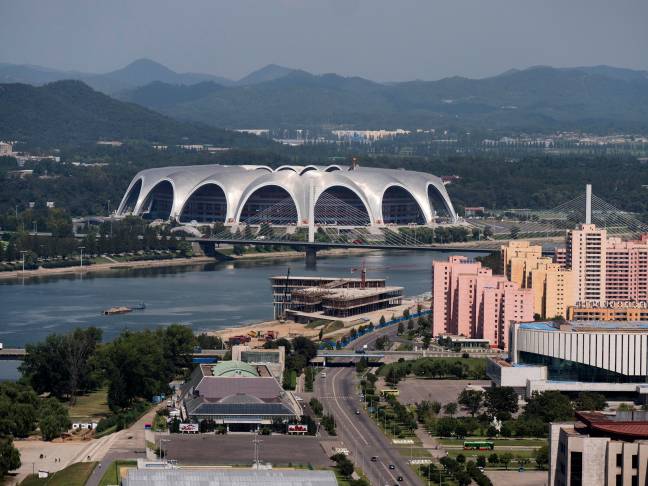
(93, 406)
(117, 468)
(73, 475)
(530, 443)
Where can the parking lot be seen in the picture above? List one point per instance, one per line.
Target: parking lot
(239, 449)
(414, 390)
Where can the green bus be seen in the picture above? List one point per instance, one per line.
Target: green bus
(478, 445)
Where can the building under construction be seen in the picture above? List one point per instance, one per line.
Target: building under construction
(341, 302)
(283, 287)
(304, 299)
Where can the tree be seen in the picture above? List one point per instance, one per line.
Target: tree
(493, 459)
(361, 366)
(445, 427)
(590, 401)
(460, 429)
(54, 419)
(506, 459)
(450, 408)
(401, 328)
(178, 343)
(471, 400)
(9, 457)
(134, 366)
(501, 402)
(542, 456)
(481, 461)
(18, 409)
(549, 406)
(382, 320)
(63, 365)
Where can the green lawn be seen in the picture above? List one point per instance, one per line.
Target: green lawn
(468, 454)
(498, 442)
(73, 475)
(93, 406)
(116, 469)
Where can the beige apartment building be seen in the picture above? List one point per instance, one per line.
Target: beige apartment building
(552, 284)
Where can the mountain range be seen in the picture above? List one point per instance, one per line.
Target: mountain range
(137, 73)
(599, 99)
(70, 112)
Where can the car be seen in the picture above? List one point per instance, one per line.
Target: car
(374, 458)
(323, 375)
(357, 412)
(399, 478)
(391, 466)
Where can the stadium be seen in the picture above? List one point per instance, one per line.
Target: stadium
(288, 196)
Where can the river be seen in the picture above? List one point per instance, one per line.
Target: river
(211, 296)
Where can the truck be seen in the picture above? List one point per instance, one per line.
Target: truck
(361, 350)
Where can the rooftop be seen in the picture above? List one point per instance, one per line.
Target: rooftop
(624, 425)
(587, 326)
(234, 368)
(251, 477)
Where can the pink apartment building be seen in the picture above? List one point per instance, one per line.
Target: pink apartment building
(470, 301)
(626, 270)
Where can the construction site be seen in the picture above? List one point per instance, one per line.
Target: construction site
(308, 299)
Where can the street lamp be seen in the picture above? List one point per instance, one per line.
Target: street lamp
(22, 253)
(82, 248)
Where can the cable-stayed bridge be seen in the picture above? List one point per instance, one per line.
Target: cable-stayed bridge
(339, 224)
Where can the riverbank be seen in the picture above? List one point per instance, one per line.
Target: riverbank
(171, 262)
(290, 329)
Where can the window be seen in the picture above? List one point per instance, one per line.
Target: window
(576, 471)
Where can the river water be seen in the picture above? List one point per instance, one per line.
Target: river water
(211, 296)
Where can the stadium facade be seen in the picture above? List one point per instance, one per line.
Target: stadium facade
(289, 195)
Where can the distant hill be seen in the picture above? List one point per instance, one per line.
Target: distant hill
(138, 73)
(267, 73)
(70, 112)
(600, 98)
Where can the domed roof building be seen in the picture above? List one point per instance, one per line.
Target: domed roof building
(288, 195)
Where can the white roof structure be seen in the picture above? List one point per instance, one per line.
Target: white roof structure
(289, 195)
(251, 477)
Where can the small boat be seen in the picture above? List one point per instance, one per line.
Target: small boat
(123, 309)
(117, 310)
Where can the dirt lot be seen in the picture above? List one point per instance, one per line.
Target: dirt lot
(238, 449)
(414, 390)
(508, 478)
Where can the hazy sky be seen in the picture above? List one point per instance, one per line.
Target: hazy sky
(377, 39)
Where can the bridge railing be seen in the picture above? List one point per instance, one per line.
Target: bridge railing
(345, 341)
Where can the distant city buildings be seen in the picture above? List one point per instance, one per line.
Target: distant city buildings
(468, 300)
(6, 149)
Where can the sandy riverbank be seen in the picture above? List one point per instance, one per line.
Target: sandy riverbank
(290, 329)
(175, 262)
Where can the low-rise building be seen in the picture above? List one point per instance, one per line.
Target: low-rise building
(609, 311)
(600, 450)
(238, 395)
(575, 356)
(232, 477)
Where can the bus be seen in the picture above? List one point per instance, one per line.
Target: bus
(389, 391)
(478, 445)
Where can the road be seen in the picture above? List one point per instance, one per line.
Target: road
(338, 394)
(359, 433)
